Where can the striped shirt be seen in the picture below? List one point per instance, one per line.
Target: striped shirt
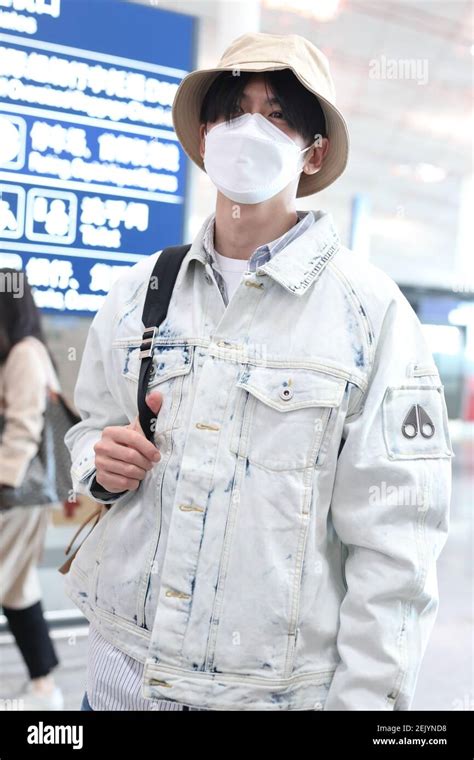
(114, 679)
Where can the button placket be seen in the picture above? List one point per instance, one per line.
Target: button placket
(191, 499)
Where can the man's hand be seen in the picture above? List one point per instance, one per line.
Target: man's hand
(124, 455)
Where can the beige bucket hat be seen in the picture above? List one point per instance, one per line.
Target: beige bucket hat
(259, 52)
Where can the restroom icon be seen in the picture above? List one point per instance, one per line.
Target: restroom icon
(51, 216)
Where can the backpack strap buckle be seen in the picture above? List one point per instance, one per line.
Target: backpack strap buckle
(148, 337)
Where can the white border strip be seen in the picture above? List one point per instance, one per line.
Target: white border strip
(153, 68)
(8, 246)
(94, 187)
(89, 121)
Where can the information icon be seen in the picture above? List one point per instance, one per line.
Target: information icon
(12, 141)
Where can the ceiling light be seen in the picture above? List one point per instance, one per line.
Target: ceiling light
(429, 173)
(320, 10)
(394, 228)
(451, 126)
(462, 315)
(421, 172)
(443, 339)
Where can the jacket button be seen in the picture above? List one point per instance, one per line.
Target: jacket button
(190, 508)
(318, 706)
(208, 278)
(286, 394)
(178, 594)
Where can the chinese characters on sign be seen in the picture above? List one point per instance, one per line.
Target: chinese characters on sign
(92, 177)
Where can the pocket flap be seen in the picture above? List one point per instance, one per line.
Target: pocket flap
(167, 361)
(288, 389)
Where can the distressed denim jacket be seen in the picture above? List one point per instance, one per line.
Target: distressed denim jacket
(282, 553)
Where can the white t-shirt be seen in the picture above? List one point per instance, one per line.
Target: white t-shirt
(232, 271)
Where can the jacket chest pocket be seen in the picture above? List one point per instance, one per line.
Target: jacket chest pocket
(171, 366)
(282, 416)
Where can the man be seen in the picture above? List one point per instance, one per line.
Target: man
(276, 548)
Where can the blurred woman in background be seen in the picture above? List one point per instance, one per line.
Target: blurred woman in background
(26, 371)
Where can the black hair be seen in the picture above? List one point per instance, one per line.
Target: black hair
(19, 315)
(300, 107)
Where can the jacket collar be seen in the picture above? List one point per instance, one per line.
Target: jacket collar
(298, 265)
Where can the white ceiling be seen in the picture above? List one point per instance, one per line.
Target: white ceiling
(400, 122)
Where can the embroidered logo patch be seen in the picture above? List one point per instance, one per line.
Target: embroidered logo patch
(415, 422)
(418, 421)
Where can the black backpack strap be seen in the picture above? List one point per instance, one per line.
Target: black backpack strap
(155, 309)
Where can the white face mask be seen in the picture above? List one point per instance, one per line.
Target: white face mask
(250, 159)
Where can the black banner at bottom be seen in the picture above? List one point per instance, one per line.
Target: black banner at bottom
(146, 734)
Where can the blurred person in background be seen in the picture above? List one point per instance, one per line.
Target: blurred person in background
(27, 369)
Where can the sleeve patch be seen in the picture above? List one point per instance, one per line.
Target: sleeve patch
(415, 423)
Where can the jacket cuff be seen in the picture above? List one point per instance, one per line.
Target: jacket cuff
(99, 493)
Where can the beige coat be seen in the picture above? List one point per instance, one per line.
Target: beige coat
(24, 378)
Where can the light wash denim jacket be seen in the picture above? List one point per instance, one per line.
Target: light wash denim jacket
(282, 553)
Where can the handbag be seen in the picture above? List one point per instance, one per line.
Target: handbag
(47, 479)
(155, 310)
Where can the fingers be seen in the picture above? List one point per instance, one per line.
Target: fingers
(128, 437)
(125, 454)
(116, 467)
(154, 400)
(116, 483)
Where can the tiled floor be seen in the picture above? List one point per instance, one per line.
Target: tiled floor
(70, 674)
